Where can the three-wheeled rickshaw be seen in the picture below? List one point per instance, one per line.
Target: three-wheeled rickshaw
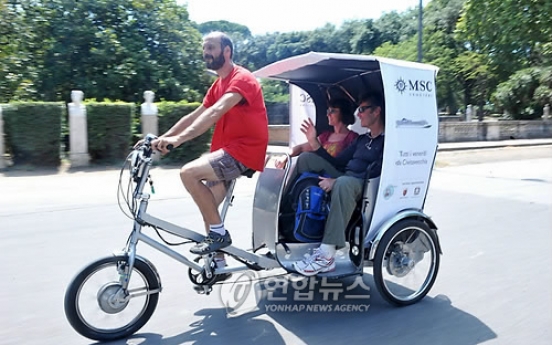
(389, 232)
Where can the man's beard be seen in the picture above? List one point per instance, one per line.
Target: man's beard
(215, 63)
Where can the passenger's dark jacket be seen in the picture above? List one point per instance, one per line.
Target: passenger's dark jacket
(355, 159)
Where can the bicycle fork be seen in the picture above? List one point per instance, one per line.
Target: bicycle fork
(129, 251)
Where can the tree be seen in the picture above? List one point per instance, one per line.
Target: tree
(435, 53)
(112, 49)
(395, 27)
(224, 26)
(405, 50)
(464, 77)
(512, 33)
(327, 39)
(253, 54)
(443, 15)
(18, 63)
(475, 77)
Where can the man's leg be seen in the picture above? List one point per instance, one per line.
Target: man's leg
(192, 175)
(311, 162)
(215, 166)
(218, 188)
(345, 194)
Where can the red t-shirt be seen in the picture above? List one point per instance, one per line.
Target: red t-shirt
(243, 130)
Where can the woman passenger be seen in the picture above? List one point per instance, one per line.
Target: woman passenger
(340, 115)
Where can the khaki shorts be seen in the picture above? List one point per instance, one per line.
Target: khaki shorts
(226, 167)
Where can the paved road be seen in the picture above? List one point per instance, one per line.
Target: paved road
(493, 209)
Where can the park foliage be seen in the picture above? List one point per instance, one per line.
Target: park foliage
(496, 54)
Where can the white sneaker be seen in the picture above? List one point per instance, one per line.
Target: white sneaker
(314, 264)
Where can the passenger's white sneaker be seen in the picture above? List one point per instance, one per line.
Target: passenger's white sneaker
(314, 264)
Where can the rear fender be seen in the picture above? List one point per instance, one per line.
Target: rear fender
(405, 214)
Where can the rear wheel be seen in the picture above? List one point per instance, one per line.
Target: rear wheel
(98, 307)
(406, 262)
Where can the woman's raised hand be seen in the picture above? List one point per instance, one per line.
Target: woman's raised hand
(307, 128)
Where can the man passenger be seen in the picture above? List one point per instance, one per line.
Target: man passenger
(347, 172)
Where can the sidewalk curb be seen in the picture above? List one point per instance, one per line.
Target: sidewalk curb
(478, 145)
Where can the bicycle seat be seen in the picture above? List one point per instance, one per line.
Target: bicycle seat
(249, 173)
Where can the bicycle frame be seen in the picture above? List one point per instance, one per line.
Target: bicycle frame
(142, 218)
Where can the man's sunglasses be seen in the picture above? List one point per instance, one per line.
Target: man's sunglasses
(364, 108)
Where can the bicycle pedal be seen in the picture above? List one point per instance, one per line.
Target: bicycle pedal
(203, 289)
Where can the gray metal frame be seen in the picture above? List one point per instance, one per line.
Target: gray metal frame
(145, 219)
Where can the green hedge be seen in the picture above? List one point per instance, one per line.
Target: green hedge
(33, 131)
(109, 131)
(169, 114)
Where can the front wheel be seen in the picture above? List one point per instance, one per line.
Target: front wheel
(406, 262)
(98, 307)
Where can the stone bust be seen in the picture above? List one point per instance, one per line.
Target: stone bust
(76, 107)
(148, 107)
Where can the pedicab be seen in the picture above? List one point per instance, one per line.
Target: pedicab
(388, 234)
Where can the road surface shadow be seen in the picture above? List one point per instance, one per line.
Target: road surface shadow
(323, 313)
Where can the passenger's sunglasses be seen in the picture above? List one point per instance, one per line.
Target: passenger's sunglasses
(364, 108)
(332, 111)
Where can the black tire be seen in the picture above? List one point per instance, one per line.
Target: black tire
(405, 240)
(142, 273)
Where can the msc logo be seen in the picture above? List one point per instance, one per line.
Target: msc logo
(414, 86)
(400, 85)
(305, 98)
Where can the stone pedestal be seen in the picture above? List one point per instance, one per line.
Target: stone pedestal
(2, 161)
(469, 113)
(78, 135)
(150, 126)
(149, 117)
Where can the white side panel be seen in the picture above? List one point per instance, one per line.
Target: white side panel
(411, 134)
(266, 206)
(301, 107)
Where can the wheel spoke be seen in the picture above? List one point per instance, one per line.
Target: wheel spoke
(142, 291)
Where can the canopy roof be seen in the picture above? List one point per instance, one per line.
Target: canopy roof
(329, 68)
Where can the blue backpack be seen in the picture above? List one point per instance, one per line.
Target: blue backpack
(312, 205)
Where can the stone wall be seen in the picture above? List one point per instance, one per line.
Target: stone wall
(278, 134)
(495, 130)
